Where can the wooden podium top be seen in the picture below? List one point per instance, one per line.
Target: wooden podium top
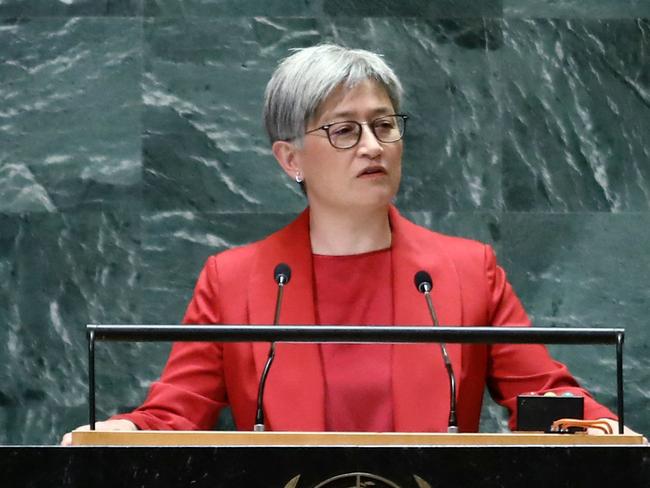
(211, 438)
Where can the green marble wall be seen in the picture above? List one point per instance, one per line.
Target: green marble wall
(131, 148)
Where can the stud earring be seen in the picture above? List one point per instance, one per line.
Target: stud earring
(299, 178)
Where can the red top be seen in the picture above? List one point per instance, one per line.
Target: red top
(356, 290)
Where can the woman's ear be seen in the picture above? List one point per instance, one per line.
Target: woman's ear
(285, 154)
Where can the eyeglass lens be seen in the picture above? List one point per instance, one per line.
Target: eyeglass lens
(344, 135)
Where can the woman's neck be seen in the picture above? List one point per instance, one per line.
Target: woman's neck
(341, 233)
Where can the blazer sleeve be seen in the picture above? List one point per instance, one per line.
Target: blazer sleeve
(191, 391)
(515, 369)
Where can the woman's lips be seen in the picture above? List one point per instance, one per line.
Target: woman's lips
(372, 171)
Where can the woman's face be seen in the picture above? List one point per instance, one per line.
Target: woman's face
(364, 176)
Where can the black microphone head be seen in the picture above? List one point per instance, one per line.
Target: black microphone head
(282, 273)
(423, 281)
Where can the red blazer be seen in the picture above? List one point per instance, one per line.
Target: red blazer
(236, 287)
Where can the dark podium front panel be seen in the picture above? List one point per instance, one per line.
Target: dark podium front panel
(327, 467)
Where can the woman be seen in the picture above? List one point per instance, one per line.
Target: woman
(333, 117)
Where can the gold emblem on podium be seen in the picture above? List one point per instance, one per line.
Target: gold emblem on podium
(358, 480)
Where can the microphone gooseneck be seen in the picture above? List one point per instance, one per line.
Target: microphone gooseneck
(281, 275)
(424, 285)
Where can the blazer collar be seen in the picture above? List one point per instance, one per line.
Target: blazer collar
(296, 382)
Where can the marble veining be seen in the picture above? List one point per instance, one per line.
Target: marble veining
(132, 148)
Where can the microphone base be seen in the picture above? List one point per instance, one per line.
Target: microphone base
(452, 429)
(258, 428)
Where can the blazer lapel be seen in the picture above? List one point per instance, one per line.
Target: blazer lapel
(420, 382)
(294, 396)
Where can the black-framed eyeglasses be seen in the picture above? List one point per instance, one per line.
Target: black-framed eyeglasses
(347, 134)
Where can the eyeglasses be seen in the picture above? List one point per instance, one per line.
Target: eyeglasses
(344, 135)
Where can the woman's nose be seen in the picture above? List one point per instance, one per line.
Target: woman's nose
(368, 143)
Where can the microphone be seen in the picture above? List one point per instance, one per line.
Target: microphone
(281, 275)
(424, 285)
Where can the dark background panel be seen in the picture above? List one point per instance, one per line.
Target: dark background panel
(581, 9)
(413, 8)
(231, 8)
(70, 127)
(63, 271)
(51, 8)
(575, 103)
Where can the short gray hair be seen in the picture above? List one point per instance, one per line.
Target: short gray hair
(305, 79)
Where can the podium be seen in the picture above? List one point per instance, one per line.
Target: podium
(334, 460)
(330, 460)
